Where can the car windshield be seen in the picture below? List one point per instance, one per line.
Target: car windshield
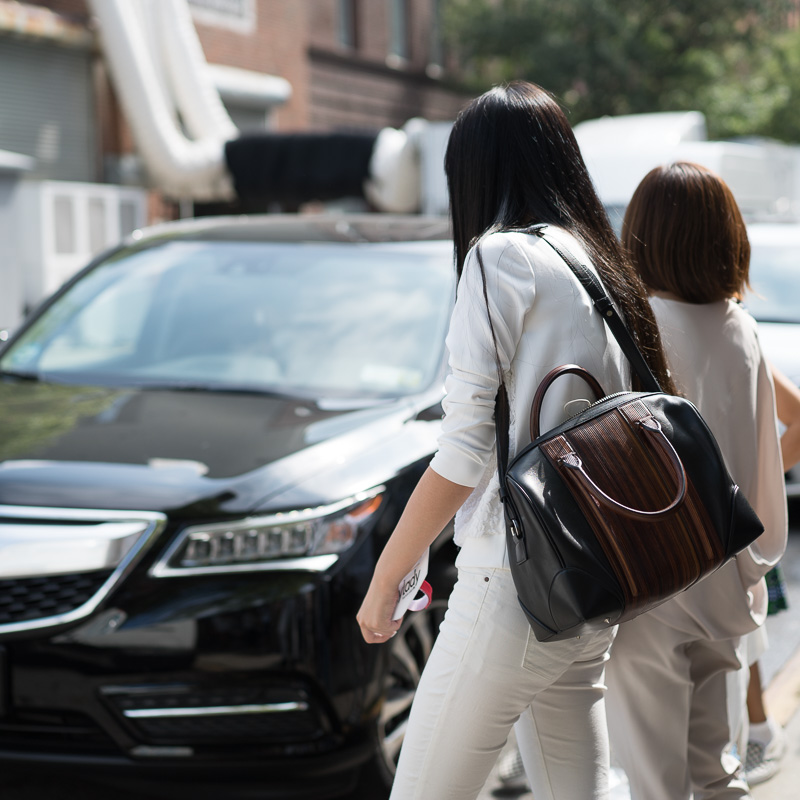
(775, 283)
(337, 320)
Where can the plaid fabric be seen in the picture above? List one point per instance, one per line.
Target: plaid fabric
(776, 585)
(758, 768)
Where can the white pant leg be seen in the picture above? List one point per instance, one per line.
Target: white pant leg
(559, 764)
(715, 771)
(667, 713)
(486, 668)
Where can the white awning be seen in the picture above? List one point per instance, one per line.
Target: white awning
(244, 87)
(15, 162)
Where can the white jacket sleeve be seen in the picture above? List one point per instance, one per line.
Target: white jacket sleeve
(767, 494)
(468, 435)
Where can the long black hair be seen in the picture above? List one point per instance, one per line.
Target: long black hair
(512, 161)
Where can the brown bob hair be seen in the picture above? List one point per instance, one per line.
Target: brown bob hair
(685, 234)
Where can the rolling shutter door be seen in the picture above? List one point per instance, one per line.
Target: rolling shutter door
(47, 109)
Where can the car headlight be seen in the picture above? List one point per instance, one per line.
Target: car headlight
(308, 539)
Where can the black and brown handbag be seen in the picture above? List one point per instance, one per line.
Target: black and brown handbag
(621, 507)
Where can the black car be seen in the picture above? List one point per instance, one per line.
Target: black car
(205, 439)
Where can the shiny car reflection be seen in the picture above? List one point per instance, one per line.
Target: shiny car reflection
(206, 438)
(774, 300)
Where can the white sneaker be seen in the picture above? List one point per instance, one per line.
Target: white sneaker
(765, 747)
(511, 772)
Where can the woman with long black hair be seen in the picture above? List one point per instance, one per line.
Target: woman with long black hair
(512, 162)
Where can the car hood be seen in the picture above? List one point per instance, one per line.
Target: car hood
(161, 450)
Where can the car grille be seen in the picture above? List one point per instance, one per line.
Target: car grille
(58, 564)
(23, 599)
(298, 726)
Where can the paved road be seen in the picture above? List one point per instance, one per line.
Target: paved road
(780, 668)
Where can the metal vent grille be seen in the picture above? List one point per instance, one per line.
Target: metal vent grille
(221, 714)
(57, 565)
(222, 729)
(23, 599)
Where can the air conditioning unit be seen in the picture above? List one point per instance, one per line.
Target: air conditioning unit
(64, 224)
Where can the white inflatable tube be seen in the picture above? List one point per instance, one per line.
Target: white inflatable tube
(148, 22)
(181, 167)
(196, 96)
(395, 184)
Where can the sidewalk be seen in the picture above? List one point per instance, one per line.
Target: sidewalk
(782, 698)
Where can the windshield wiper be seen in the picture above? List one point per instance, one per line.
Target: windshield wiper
(221, 388)
(23, 376)
(324, 402)
(353, 403)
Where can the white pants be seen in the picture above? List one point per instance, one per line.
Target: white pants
(485, 671)
(668, 713)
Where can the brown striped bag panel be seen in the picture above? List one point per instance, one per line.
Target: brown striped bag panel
(652, 558)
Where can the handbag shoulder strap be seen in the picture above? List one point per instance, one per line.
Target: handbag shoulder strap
(602, 302)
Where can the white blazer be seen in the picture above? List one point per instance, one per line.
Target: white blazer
(716, 360)
(542, 318)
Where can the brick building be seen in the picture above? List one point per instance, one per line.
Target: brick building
(377, 62)
(347, 64)
(73, 177)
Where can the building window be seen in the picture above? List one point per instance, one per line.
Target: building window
(398, 33)
(347, 23)
(436, 53)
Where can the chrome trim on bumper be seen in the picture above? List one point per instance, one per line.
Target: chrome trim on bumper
(215, 711)
(158, 751)
(303, 564)
(39, 550)
(117, 527)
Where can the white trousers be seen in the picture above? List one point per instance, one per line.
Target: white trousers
(486, 671)
(668, 713)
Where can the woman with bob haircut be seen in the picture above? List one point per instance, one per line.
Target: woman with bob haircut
(667, 677)
(511, 162)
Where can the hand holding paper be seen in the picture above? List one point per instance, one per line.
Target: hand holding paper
(412, 583)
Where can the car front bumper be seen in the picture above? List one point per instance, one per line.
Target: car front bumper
(259, 678)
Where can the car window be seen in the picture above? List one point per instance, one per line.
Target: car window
(338, 319)
(775, 283)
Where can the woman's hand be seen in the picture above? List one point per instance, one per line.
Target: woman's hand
(430, 507)
(375, 615)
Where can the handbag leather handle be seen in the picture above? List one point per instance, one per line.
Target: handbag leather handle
(547, 381)
(615, 325)
(651, 426)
